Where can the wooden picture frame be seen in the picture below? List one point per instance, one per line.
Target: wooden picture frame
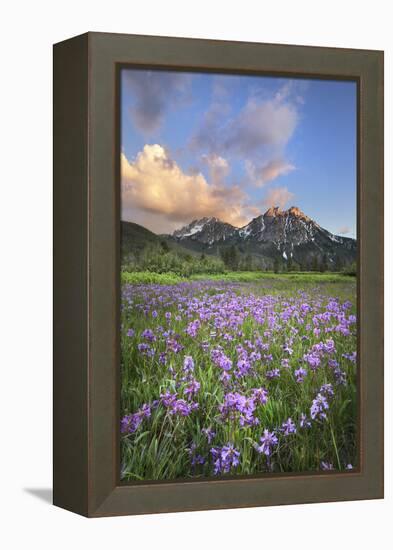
(86, 273)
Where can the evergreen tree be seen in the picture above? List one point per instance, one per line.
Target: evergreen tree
(223, 255)
(248, 263)
(324, 264)
(233, 258)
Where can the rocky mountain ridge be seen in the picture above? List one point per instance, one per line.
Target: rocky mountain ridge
(284, 235)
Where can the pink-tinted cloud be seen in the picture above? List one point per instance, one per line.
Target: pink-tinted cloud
(218, 168)
(268, 172)
(261, 124)
(258, 134)
(278, 196)
(344, 230)
(156, 185)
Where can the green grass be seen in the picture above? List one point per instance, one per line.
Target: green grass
(250, 276)
(150, 277)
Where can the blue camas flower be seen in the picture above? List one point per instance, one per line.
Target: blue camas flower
(327, 466)
(318, 407)
(131, 422)
(225, 458)
(209, 433)
(267, 442)
(300, 374)
(188, 364)
(195, 356)
(288, 427)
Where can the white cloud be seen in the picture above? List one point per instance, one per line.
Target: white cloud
(209, 136)
(154, 92)
(268, 172)
(344, 230)
(261, 124)
(156, 185)
(278, 196)
(218, 168)
(258, 134)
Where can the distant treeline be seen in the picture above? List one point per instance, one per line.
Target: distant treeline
(161, 258)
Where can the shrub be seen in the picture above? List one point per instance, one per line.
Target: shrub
(159, 259)
(350, 270)
(148, 277)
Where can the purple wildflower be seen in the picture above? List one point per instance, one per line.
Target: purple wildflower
(259, 395)
(267, 442)
(288, 427)
(182, 408)
(340, 377)
(237, 405)
(285, 363)
(192, 388)
(287, 349)
(327, 390)
(300, 373)
(188, 364)
(209, 433)
(168, 398)
(193, 328)
(131, 422)
(197, 459)
(173, 345)
(243, 367)
(273, 373)
(224, 458)
(146, 350)
(221, 360)
(313, 360)
(304, 423)
(350, 356)
(318, 407)
(148, 335)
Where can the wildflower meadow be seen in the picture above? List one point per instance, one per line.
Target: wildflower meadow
(247, 377)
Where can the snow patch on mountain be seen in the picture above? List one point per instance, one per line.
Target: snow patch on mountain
(275, 233)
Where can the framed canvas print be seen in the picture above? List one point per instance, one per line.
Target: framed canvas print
(218, 274)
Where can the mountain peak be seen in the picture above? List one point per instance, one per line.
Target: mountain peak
(297, 213)
(277, 234)
(206, 229)
(273, 211)
(294, 211)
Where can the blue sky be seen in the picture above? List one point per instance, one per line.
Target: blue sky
(195, 145)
